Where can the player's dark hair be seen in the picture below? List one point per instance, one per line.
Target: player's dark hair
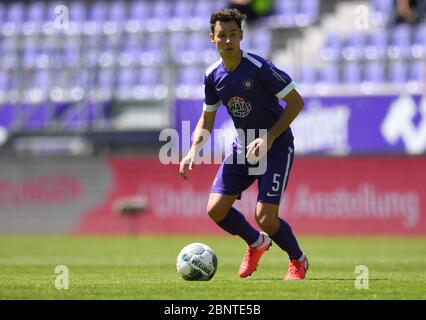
(227, 15)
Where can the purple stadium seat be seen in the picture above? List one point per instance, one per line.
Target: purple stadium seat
(329, 74)
(129, 55)
(36, 12)
(417, 72)
(126, 77)
(398, 72)
(261, 45)
(332, 47)
(98, 11)
(400, 42)
(149, 76)
(354, 47)
(190, 76)
(15, 12)
(199, 41)
(308, 75)
(177, 43)
(4, 81)
(418, 48)
(153, 50)
(106, 79)
(351, 73)
(140, 10)
(286, 12)
(383, 10)
(203, 9)
(182, 9)
(41, 79)
(308, 11)
(29, 53)
(71, 53)
(78, 11)
(374, 72)
(377, 45)
(8, 45)
(219, 4)
(161, 9)
(2, 13)
(117, 11)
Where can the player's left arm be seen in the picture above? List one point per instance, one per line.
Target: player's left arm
(294, 104)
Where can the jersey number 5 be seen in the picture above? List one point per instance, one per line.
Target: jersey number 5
(276, 182)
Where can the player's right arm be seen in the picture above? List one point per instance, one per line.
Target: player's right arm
(201, 134)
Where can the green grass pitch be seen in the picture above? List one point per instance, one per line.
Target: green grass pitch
(143, 267)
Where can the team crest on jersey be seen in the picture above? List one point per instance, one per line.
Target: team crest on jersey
(238, 107)
(248, 84)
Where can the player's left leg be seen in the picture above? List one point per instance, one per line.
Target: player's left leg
(272, 185)
(281, 233)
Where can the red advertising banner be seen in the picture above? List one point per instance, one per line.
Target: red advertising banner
(325, 195)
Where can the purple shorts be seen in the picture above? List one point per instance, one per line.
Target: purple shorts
(233, 178)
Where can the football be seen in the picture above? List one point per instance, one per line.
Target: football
(196, 262)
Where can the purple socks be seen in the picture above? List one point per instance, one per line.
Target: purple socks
(285, 239)
(236, 224)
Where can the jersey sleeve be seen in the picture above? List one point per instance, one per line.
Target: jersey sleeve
(211, 99)
(276, 80)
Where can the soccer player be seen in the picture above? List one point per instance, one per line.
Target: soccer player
(250, 87)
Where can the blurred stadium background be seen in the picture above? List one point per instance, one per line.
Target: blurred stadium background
(86, 87)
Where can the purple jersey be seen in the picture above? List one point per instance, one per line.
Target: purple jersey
(250, 93)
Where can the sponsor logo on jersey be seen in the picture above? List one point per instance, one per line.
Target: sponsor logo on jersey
(238, 107)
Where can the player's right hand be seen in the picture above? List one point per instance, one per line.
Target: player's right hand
(186, 163)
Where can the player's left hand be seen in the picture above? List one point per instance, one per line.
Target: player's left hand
(257, 149)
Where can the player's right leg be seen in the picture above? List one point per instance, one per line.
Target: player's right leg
(220, 209)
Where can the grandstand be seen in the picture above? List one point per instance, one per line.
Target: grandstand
(92, 67)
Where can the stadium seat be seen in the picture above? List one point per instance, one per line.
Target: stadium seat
(308, 75)
(397, 72)
(182, 9)
(8, 53)
(418, 48)
(332, 47)
(382, 11)
(98, 11)
(161, 12)
(71, 52)
(417, 72)
(329, 74)
(4, 81)
(78, 11)
(2, 13)
(400, 42)
(307, 12)
(117, 12)
(374, 72)
(351, 73)
(377, 45)
(16, 12)
(258, 45)
(354, 47)
(285, 13)
(150, 77)
(191, 76)
(126, 80)
(203, 10)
